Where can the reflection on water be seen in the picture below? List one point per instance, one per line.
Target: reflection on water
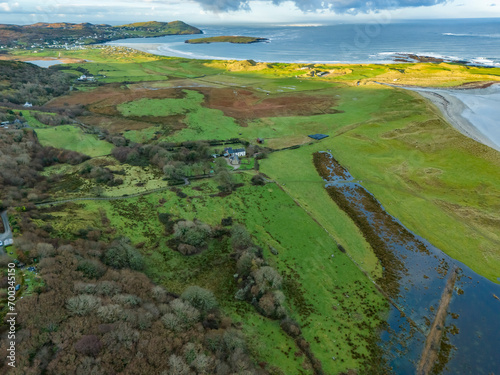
(45, 63)
(471, 337)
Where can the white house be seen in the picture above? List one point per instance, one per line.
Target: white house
(240, 152)
(28, 104)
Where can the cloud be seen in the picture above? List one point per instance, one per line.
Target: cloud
(224, 5)
(9, 7)
(337, 6)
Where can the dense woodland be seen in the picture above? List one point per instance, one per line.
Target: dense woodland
(98, 314)
(23, 82)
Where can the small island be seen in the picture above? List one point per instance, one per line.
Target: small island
(227, 39)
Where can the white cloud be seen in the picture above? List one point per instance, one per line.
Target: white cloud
(261, 11)
(5, 7)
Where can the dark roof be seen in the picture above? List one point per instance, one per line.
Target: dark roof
(318, 136)
(230, 150)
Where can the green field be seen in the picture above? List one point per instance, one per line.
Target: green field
(392, 140)
(72, 138)
(316, 282)
(440, 184)
(202, 123)
(414, 163)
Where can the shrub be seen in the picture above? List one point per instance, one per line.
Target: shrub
(127, 300)
(122, 255)
(159, 293)
(187, 314)
(202, 363)
(202, 299)
(91, 268)
(164, 218)
(89, 345)
(245, 264)
(194, 233)
(83, 304)
(291, 327)
(271, 304)
(110, 313)
(186, 249)
(171, 321)
(226, 221)
(240, 238)
(267, 278)
(177, 366)
(108, 288)
(45, 250)
(84, 288)
(258, 180)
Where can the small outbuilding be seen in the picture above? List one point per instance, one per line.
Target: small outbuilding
(318, 137)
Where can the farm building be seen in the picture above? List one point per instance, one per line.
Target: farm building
(229, 151)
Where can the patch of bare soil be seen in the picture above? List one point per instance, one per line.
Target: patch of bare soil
(244, 105)
(241, 104)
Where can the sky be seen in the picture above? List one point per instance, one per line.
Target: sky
(204, 12)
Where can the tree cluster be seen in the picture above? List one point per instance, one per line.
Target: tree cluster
(259, 283)
(21, 160)
(190, 159)
(101, 175)
(23, 82)
(97, 315)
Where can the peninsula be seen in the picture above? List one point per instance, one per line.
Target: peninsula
(227, 39)
(63, 34)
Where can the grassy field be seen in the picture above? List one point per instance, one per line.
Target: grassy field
(315, 282)
(438, 183)
(201, 123)
(425, 173)
(392, 140)
(72, 138)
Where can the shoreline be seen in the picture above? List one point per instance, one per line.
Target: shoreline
(454, 108)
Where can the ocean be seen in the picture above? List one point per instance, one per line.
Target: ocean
(476, 41)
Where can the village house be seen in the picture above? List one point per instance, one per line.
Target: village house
(84, 78)
(27, 104)
(240, 152)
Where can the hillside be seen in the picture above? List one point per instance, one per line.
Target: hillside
(57, 34)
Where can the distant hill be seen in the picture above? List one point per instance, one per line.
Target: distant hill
(53, 34)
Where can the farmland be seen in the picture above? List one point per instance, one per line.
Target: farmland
(74, 139)
(440, 184)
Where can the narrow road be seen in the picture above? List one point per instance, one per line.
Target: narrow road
(6, 238)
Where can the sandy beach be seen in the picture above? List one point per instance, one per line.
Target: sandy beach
(473, 112)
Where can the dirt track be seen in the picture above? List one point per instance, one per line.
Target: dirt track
(431, 348)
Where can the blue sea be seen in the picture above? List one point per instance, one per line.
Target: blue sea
(476, 41)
